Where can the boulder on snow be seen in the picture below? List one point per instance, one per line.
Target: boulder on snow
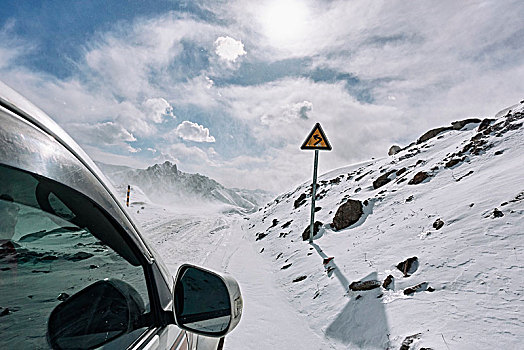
(347, 214)
(437, 225)
(497, 213)
(364, 285)
(485, 123)
(421, 287)
(462, 123)
(300, 200)
(387, 282)
(394, 150)
(452, 163)
(418, 178)
(408, 266)
(432, 133)
(383, 179)
(316, 228)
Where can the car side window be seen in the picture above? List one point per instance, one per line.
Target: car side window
(67, 275)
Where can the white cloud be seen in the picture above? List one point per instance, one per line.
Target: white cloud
(288, 114)
(156, 108)
(193, 132)
(102, 135)
(228, 48)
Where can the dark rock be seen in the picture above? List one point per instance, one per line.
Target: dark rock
(462, 123)
(421, 287)
(79, 256)
(383, 179)
(430, 289)
(92, 267)
(287, 224)
(63, 297)
(300, 200)
(408, 266)
(5, 312)
(275, 223)
(283, 234)
(437, 225)
(298, 279)
(262, 250)
(358, 297)
(497, 213)
(347, 214)
(418, 178)
(318, 209)
(364, 285)
(401, 171)
(432, 133)
(408, 341)
(279, 256)
(260, 235)
(498, 153)
(452, 163)
(335, 181)
(471, 205)
(409, 199)
(394, 150)
(387, 282)
(316, 228)
(485, 123)
(285, 266)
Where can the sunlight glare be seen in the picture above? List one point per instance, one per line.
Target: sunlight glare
(285, 21)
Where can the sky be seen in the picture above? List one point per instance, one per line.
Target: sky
(230, 89)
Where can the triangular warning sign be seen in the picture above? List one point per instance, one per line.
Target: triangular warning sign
(316, 140)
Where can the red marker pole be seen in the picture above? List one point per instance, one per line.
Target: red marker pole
(128, 190)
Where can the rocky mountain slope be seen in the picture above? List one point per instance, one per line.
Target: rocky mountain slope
(164, 183)
(422, 249)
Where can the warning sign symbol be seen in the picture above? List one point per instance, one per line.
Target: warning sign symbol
(316, 140)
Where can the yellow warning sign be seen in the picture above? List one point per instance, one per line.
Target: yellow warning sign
(316, 140)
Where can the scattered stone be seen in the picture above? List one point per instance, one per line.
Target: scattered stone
(40, 271)
(79, 256)
(298, 279)
(407, 342)
(421, 287)
(387, 282)
(261, 250)
(394, 150)
(418, 178)
(287, 224)
(318, 209)
(279, 256)
(260, 235)
(275, 223)
(92, 267)
(497, 213)
(499, 152)
(317, 294)
(364, 285)
(408, 266)
(503, 204)
(437, 225)
(358, 297)
(383, 179)
(283, 234)
(430, 289)
(300, 200)
(285, 266)
(471, 205)
(63, 297)
(347, 214)
(316, 227)
(463, 176)
(409, 199)
(452, 163)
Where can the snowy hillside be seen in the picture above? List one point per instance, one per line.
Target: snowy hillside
(439, 243)
(164, 183)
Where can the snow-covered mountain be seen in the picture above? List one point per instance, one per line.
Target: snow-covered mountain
(164, 183)
(420, 249)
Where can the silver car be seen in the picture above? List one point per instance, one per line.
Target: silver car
(75, 273)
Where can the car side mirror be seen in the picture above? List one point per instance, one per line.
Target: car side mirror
(205, 302)
(94, 316)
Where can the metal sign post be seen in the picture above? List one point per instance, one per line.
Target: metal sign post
(316, 140)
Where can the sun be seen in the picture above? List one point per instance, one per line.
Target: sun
(285, 21)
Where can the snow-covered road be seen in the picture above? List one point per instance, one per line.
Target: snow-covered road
(218, 242)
